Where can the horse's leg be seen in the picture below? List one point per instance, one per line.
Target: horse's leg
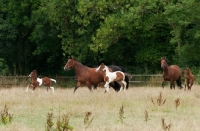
(191, 83)
(52, 88)
(77, 85)
(124, 85)
(188, 85)
(95, 87)
(89, 86)
(163, 83)
(33, 89)
(107, 87)
(27, 88)
(179, 82)
(171, 84)
(120, 84)
(185, 84)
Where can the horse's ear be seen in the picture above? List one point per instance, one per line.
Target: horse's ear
(69, 57)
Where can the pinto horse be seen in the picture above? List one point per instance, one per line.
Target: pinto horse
(189, 78)
(38, 82)
(116, 86)
(110, 76)
(171, 73)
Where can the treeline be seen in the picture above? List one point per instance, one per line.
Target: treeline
(41, 34)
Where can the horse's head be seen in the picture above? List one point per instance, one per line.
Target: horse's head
(33, 74)
(186, 71)
(100, 68)
(164, 62)
(70, 63)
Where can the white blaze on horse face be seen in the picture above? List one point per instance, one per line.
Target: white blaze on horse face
(106, 69)
(97, 69)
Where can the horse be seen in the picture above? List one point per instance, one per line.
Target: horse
(110, 76)
(40, 81)
(189, 79)
(115, 85)
(171, 73)
(86, 75)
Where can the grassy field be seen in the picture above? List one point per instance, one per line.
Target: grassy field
(141, 110)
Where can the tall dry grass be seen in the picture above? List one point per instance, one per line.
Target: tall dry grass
(30, 109)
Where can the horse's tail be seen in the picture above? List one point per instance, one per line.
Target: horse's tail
(53, 80)
(178, 81)
(127, 81)
(127, 74)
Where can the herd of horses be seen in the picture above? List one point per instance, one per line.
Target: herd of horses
(113, 76)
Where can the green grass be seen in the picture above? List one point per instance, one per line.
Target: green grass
(30, 109)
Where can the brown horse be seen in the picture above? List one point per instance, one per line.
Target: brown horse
(39, 82)
(171, 73)
(189, 78)
(85, 75)
(110, 76)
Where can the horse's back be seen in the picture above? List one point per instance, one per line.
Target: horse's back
(95, 77)
(176, 68)
(176, 72)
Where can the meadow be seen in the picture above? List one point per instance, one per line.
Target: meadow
(137, 109)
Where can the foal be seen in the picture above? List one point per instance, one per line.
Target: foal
(189, 79)
(111, 77)
(38, 82)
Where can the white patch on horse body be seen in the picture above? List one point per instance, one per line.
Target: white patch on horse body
(40, 81)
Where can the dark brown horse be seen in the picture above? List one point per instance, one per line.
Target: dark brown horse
(87, 76)
(171, 73)
(189, 78)
(39, 82)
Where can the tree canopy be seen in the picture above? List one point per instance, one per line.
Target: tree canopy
(41, 34)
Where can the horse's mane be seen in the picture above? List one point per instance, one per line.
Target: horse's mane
(35, 71)
(73, 58)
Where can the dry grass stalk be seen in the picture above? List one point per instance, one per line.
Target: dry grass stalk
(63, 125)
(87, 120)
(121, 114)
(177, 103)
(165, 126)
(160, 100)
(49, 120)
(197, 95)
(6, 117)
(146, 116)
(152, 101)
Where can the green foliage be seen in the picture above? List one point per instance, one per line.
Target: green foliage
(41, 34)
